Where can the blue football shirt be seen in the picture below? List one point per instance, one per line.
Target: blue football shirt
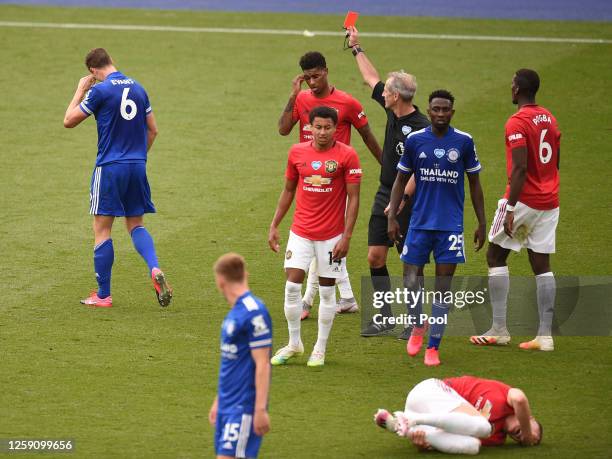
(120, 106)
(439, 165)
(247, 326)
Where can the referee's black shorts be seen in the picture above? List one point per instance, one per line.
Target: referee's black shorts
(377, 228)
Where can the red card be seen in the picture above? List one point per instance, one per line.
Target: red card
(351, 19)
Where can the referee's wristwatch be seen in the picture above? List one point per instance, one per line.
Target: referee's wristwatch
(356, 50)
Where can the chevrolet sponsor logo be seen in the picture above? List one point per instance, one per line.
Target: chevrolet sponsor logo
(317, 180)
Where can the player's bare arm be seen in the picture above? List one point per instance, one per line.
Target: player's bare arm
(397, 193)
(368, 72)
(417, 437)
(286, 121)
(477, 197)
(212, 413)
(151, 130)
(518, 400)
(368, 138)
(517, 180)
(261, 420)
(352, 210)
(74, 115)
(284, 203)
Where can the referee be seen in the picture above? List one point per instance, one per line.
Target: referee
(395, 96)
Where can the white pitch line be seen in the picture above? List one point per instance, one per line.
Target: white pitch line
(424, 36)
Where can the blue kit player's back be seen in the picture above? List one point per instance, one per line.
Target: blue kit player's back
(120, 106)
(247, 326)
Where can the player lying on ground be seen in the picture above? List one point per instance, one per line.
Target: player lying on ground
(528, 214)
(240, 410)
(458, 415)
(350, 113)
(119, 186)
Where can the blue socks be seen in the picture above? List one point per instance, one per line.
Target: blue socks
(104, 255)
(439, 311)
(143, 243)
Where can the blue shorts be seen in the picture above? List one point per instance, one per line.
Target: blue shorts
(447, 247)
(234, 435)
(121, 190)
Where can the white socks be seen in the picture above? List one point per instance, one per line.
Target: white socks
(455, 423)
(447, 442)
(546, 290)
(293, 310)
(499, 286)
(312, 285)
(344, 287)
(327, 312)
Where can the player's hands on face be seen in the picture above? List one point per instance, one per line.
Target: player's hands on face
(296, 84)
(85, 83)
(261, 422)
(479, 237)
(418, 439)
(353, 36)
(273, 239)
(528, 439)
(509, 223)
(341, 248)
(393, 229)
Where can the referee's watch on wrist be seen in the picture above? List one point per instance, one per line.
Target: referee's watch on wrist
(356, 50)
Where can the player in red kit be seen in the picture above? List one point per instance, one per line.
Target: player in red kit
(324, 176)
(528, 214)
(458, 415)
(350, 114)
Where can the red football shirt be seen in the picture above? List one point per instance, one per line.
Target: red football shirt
(488, 396)
(350, 113)
(320, 204)
(536, 128)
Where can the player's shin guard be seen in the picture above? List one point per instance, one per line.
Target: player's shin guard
(293, 309)
(143, 243)
(439, 317)
(546, 291)
(104, 256)
(448, 442)
(454, 422)
(499, 286)
(312, 285)
(327, 312)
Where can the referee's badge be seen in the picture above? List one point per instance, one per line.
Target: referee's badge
(406, 130)
(331, 166)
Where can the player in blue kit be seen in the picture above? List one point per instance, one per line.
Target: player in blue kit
(438, 156)
(119, 186)
(240, 410)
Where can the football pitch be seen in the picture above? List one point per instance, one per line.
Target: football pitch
(137, 380)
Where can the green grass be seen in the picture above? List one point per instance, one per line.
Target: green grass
(137, 381)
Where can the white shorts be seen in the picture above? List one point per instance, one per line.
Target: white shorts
(433, 396)
(301, 251)
(533, 229)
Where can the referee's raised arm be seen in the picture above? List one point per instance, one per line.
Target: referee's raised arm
(368, 72)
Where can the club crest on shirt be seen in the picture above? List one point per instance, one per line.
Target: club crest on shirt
(453, 155)
(439, 152)
(307, 128)
(406, 130)
(316, 165)
(331, 166)
(288, 254)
